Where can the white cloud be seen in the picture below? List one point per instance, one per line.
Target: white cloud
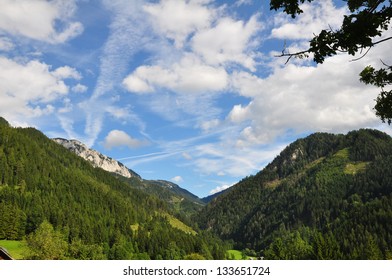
(220, 189)
(67, 106)
(219, 56)
(127, 35)
(227, 42)
(178, 19)
(136, 82)
(118, 138)
(208, 43)
(317, 15)
(67, 72)
(210, 124)
(177, 179)
(190, 75)
(186, 156)
(225, 158)
(239, 3)
(327, 97)
(28, 89)
(48, 21)
(238, 114)
(79, 88)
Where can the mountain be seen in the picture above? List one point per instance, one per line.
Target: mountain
(209, 198)
(181, 200)
(324, 197)
(66, 209)
(96, 159)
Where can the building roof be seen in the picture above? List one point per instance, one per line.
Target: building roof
(4, 255)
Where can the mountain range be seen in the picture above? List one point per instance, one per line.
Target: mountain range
(326, 196)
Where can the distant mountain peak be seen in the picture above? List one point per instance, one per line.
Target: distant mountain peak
(96, 158)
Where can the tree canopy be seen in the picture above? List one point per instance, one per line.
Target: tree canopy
(362, 29)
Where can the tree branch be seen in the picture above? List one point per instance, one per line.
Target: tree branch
(389, 66)
(362, 56)
(382, 41)
(291, 55)
(372, 9)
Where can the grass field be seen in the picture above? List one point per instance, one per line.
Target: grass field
(237, 255)
(176, 223)
(16, 249)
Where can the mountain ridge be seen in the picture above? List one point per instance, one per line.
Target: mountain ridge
(326, 196)
(96, 158)
(180, 199)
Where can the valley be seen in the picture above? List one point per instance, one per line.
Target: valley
(326, 196)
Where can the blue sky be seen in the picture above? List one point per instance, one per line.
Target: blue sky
(187, 91)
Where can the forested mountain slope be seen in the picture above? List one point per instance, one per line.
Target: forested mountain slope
(47, 192)
(180, 200)
(324, 197)
(96, 158)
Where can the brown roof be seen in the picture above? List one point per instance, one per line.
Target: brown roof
(4, 255)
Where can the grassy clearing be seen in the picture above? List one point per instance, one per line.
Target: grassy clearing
(238, 255)
(235, 254)
(176, 223)
(355, 167)
(344, 153)
(17, 249)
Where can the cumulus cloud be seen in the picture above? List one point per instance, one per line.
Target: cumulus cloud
(227, 42)
(220, 189)
(48, 21)
(317, 15)
(327, 97)
(118, 138)
(304, 97)
(67, 72)
(79, 88)
(28, 89)
(208, 44)
(190, 75)
(177, 179)
(178, 19)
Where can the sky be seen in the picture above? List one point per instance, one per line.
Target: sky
(190, 91)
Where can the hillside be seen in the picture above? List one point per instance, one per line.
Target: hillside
(67, 209)
(324, 197)
(181, 201)
(97, 159)
(209, 198)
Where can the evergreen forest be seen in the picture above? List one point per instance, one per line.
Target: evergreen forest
(66, 209)
(324, 197)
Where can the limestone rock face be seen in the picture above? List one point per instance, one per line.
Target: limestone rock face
(95, 158)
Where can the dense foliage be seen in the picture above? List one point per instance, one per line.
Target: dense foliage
(362, 29)
(324, 197)
(48, 195)
(181, 202)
